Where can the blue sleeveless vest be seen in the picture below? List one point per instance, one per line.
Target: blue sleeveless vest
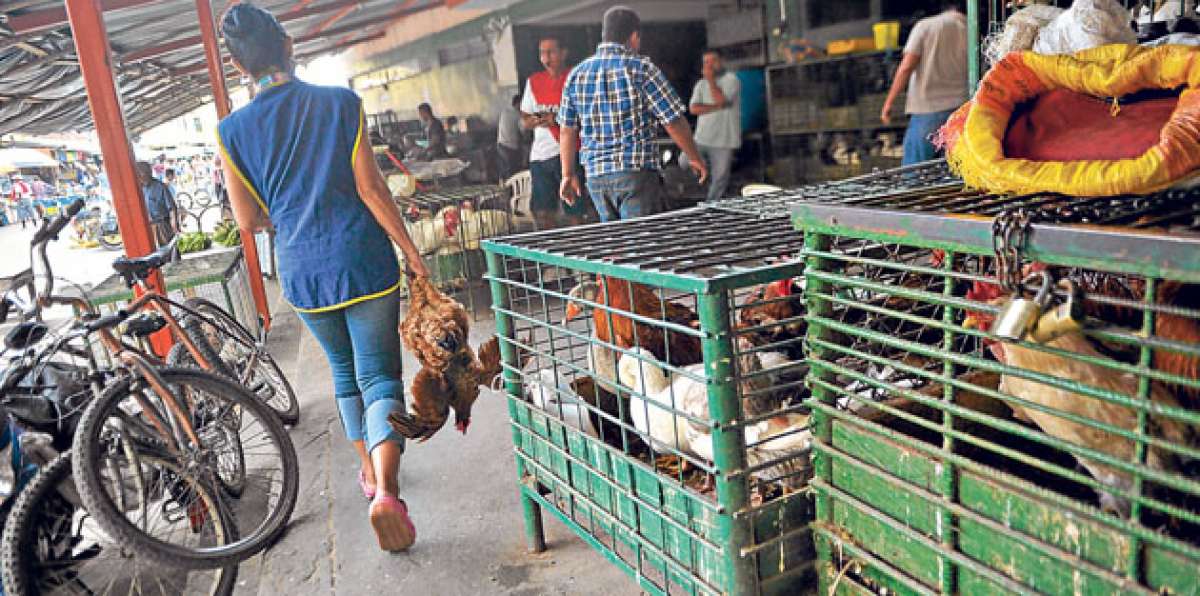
(294, 147)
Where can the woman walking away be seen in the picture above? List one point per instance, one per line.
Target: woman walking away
(297, 158)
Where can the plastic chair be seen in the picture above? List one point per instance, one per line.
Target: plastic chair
(520, 187)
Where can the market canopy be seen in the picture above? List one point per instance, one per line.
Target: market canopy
(158, 55)
(16, 158)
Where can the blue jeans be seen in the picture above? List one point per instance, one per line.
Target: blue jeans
(363, 348)
(917, 147)
(720, 164)
(625, 195)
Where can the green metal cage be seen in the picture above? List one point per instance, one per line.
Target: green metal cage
(952, 460)
(655, 380)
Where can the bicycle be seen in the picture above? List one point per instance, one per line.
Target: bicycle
(51, 545)
(147, 450)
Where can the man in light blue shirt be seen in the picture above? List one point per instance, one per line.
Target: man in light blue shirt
(716, 103)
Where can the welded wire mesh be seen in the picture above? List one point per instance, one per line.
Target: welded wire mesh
(959, 461)
(667, 354)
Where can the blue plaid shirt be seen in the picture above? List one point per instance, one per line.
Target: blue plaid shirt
(616, 99)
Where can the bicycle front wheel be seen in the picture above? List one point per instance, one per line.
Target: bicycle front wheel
(149, 470)
(241, 357)
(52, 546)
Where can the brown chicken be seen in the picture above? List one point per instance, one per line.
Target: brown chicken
(435, 330)
(682, 348)
(1063, 400)
(775, 310)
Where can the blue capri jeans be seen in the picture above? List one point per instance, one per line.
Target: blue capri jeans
(363, 347)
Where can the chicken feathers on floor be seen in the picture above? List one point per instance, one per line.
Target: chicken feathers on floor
(435, 330)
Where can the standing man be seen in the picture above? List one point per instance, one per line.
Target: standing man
(614, 101)
(435, 133)
(717, 105)
(160, 205)
(508, 139)
(543, 95)
(934, 69)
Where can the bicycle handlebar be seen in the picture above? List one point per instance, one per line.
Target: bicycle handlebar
(49, 231)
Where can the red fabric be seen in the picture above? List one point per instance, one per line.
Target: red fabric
(547, 91)
(1063, 125)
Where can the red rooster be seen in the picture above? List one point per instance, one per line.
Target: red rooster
(1063, 400)
(682, 349)
(777, 308)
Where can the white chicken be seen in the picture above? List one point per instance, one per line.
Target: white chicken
(480, 224)
(558, 400)
(782, 441)
(655, 415)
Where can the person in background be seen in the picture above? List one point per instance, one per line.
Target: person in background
(160, 166)
(335, 226)
(169, 179)
(160, 204)
(934, 71)
(435, 133)
(218, 185)
(22, 201)
(539, 104)
(458, 141)
(508, 139)
(716, 103)
(614, 102)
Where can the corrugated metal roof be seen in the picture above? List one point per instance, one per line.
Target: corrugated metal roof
(159, 59)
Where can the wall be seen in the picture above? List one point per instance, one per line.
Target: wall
(464, 88)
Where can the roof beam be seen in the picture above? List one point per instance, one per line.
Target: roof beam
(325, 24)
(196, 40)
(52, 18)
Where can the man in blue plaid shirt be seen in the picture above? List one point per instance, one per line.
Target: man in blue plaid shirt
(614, 101)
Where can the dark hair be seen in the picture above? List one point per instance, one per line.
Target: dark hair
(424, 107)
(255, 39)
(451, 121)
(554, 38)
(713, 51)
(952, 4)
(516, 100)
(169, 172)
(620, 23)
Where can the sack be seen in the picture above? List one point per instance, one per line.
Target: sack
(1050, 123)
(1085, 25)
(1020, 31)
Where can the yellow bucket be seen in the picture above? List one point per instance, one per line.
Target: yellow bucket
(887, 35)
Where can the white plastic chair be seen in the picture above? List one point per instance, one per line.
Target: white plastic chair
(520, 187)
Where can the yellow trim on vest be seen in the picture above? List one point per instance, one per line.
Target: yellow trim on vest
(350, 302)
(236, 170)
(362, 117)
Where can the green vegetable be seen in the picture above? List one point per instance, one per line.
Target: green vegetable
(193, 242)
(226, 234)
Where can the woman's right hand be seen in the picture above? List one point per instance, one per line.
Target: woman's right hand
(416, 265)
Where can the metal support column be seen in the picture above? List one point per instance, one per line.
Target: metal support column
(216, 77)
(95, 64)
(728, 443)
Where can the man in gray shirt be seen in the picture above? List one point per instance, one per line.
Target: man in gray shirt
(934, 69)
(715, 101)
(508, 139)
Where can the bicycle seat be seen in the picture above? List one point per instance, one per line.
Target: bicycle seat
(139, 268)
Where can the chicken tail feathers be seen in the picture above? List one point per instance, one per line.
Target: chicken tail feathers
(413, 428)
(489, 361)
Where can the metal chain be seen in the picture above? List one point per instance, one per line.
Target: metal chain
(1010, 231)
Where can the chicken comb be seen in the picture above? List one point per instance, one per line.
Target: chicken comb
(782, 287)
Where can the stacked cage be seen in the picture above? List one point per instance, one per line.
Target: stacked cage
(655, 380)
(1004, 391)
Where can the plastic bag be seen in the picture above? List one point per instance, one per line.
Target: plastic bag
(1085, 25)
(1020, 31)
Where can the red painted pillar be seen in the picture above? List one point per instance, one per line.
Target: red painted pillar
(216, 77)
(95, 63)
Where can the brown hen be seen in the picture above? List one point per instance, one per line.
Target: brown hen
(683, 349)
(435, 330)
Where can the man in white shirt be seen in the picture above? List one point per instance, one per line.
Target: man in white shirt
(539, 107)
(934, 70)
(716, 103)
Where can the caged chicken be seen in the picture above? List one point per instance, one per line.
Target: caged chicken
(435, 330)
(1079, 370)
(623, 332)
(774, 313)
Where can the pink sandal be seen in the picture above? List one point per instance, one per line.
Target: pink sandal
(393, 528)
(367, 490)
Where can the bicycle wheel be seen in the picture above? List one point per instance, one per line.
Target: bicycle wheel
(129, 429)
(242, 357)
(52, 546)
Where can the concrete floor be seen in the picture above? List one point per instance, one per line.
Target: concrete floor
(461, 491)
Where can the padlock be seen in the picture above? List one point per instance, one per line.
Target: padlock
(1020, 314)
(1065, 318)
